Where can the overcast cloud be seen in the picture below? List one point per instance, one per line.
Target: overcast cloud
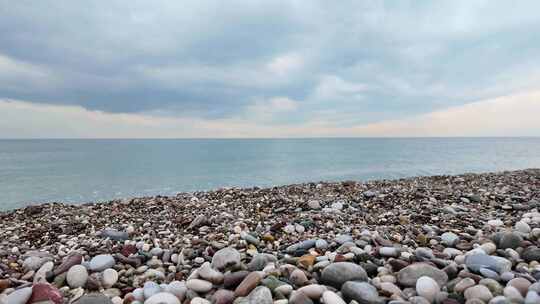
(316, 68)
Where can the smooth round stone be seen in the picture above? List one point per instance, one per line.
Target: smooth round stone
(313, 204)
(19, 296)
(46, 292)
(32, 263)
(512, 293)
(94, 298)
(521, 284)
(233, 279)
(321, 244)
(478, 292)
(178, 289)
(492, 285)
(389, 252)
(313, 291)
(41, 275)
(507, 276)
(475, 262)
(499, 300)
(449, 239)
(209, 274)
(284, 289)
(361, 292)
(298, 277)
(530, 254)
(299, 298)
(162, 298)
(463, 284)
(489, 247)
(101, 262)
(522, 227)
(343, 238)
(77, 276)
(260, 260)
(223, 296)
(150, 288)
(138, 294)
(109, 277)
(532, 297)
(510, 240)
(495, 223)
(198, 285)
(114, 234)
(330, 297)
(418, 300)
(226, 257)
(410, 274)
(199, 300)
(427, 287)
(260, 295)
(248, 284)
(336, 274)
(488, 273)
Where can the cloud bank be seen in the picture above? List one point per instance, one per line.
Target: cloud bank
(267, 68)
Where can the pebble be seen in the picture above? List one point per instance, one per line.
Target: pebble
(427, 287)
(336, 274)
(480, 292)
(199, 285)
(101, 262)
(109, 277)
(77, 276)
(19, 296)
(260, 295)
(226, 257)
(162, 298)
(361, 292)
(410, 274)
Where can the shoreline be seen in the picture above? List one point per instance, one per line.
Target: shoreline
(307, 237)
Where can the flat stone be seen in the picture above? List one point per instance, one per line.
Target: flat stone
(330, 297)
(109, 277)
(361, 292)
(232, 279)
(449, 239)
(19, 296)
(223, 296)
(475, 262)
(260, 260)
(114, 234)
(313, 291)
(509, 240)
(410, 274)
(336, 274)
(101, 262)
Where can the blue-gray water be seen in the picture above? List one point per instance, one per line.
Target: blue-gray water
(75, 171)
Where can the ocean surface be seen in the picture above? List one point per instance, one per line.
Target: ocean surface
(77, 171)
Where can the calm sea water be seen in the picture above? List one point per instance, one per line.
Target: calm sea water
(75, 171)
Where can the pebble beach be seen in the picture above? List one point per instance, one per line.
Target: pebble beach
(471, 238)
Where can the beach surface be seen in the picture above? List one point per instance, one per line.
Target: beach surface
(470, 238)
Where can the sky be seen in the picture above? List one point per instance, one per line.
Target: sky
(212, 69)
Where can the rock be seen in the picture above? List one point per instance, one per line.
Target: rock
(343, 238)
(475, 262)
(209, 274)
(509, 240)
(150, 288)
(232, 279)
(114, 234)
(248, 284)
(330, 297)
(513, 294)
(260, 260)
(463, 284)
(101, 262)
(321, 244)
(531, 254)
(260, 295)
(298, 277)
(410, 274)
(299, 298)
(178, 289)
(336, 274)
(389, 252)
(226, 257)
(199, 221)
(313, 291)
(71, 260)
(19, 296)
(449, 239)
(521, 284)
(301, 247)
(109, 277)
(523, 227)
(478, 292)
(199, 285)
(162, 298)
(32, 263)
(46, 292)
(314, 205)
(532, 298)
(427, 287)
(223, 296)
(306, 261)
(77, 276)
(94, 299)
(41, 275)
(361, 292)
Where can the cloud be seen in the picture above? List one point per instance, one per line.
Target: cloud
(513, 115)
(344, 65)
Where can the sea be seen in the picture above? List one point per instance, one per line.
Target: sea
(87, 170)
